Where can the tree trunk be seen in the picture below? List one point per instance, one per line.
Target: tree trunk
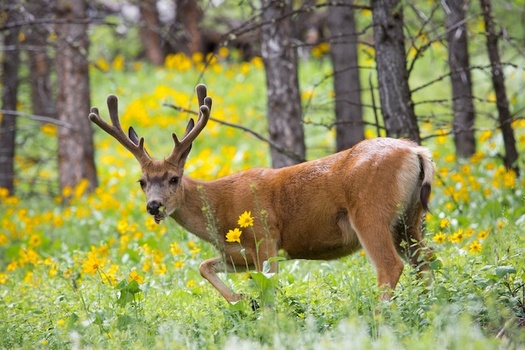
(42, 99)
(498, 82)
(458, 60)
(396, 101)
(149, 31)
(10, 64)
(75, 143)
(189, 14)
(284, 101)
(347, 85)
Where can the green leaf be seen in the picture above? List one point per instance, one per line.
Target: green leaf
(502, 271)
(124, 298)
(124, 321)
(133, 287)
(436, 265)
(73, 318)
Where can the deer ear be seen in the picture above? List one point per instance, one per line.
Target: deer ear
(189, 127)
(134, 137)
(132, 134)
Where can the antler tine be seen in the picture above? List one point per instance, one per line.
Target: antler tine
(116, 131)
(204, 114)
(193, 129)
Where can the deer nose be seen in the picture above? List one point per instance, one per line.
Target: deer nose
(153, 207)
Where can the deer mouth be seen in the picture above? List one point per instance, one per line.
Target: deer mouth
(158, 218)
(160, 215)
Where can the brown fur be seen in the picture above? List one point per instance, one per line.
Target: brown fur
(371, 196)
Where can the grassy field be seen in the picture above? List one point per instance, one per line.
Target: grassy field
(99, 273)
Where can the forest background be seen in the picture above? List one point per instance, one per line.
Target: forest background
(82, 264)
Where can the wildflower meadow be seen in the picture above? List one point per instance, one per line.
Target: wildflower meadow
(97, 272)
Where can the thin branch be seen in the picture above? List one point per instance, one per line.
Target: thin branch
(278, 147)
(39, 118)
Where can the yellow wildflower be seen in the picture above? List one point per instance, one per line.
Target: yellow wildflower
(509, 179)
(194, 248)
(35, 240)
(4, 192)
(49, 129)
(161, 269)
(3, 278)
(474, 247)
(444, 223)
(439, 238)
(234, 236)
(190, 284)
(3, 239)
(122, 226)
(245, 219)
(175, 249)
(118, 63)
(457, 236)
(178, 264)
(483, 234)
(12, 266)
(134, 276)
(91, 264)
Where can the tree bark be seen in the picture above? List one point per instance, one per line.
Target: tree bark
(510, 157)
(10, 67)
(149, 31)
(347, 84)
(396, 101)
(189, 15)
(284, 100)
(75, 145)
(458, 61)
(42, 99)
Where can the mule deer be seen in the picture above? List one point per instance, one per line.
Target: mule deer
(372, 196)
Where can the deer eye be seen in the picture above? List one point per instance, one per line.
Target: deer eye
(142, 183)
(174, 180)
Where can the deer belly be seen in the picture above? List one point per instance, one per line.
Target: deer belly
(324, 245)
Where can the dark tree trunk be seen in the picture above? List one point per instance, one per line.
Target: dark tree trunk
(458, 60)
(498, 82)
(394, 92)
(149, 31)
(284, 101)
(75, 143)
(42, 99)
(10, 64)
(188, 16)
(347, 85)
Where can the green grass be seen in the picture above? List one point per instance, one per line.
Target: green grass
(98, 273)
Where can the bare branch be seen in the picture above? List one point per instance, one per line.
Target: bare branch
(245, 129)
(39, 118)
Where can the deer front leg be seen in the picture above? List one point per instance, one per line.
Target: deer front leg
(209, 269)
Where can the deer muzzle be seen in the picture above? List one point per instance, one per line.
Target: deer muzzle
(155, 208)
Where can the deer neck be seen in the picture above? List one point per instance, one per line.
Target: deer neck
(194, 207)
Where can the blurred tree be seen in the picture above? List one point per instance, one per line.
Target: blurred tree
(188, 36)
(40, 63)
(149, 31)
(347, 84)
(10, 64)
(510, 158)
(396, 101)
(75, 144)
(458, 61)
(284, 101)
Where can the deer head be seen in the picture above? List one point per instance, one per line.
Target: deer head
(161, 179)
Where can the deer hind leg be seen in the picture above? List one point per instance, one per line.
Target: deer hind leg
(409, 241)
(376, 239)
